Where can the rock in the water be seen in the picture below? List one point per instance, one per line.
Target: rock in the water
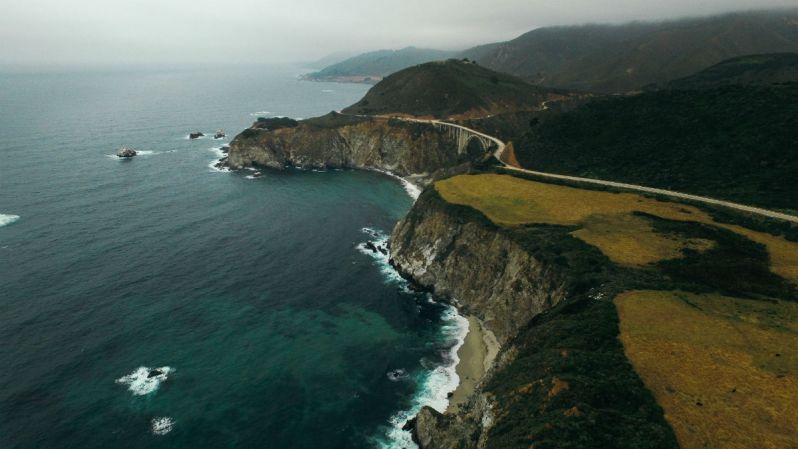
(371, 246)
(382, 250)
(126, 152)
(195, 135)
(225, 149)
(219, 134)
(155, 373)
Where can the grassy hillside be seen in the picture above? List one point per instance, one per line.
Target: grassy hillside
(737, 142)
(722, 365)
(620, 58)
(373, 66)
(745, 70)
(448, 88)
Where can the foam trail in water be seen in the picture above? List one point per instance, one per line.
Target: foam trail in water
(434, 384)
(7, 219)
(255, 114)
(409, 187)
(145, 380)
(162, 425)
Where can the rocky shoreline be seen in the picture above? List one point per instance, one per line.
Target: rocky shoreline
(502, 290)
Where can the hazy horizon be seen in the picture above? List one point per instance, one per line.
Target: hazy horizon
(46, 34)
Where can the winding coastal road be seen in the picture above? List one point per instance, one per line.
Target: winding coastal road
(499, 152)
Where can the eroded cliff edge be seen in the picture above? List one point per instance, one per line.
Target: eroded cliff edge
(421, 151)
(561, 372)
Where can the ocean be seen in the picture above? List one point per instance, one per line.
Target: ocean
(159, 302)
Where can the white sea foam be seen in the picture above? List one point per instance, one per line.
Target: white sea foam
(328, 91)
(140, 382)
(255, 114)
(438, 380)
(434, 387)
(380, 239)
(162, 425)
(219, 156)
(7, 219)
(413, 190)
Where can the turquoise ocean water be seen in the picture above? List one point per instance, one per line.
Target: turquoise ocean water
(270, 325)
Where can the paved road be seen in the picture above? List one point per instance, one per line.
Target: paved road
(500, 146)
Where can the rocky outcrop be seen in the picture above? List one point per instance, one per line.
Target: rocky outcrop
(459, 254)
(126, 152)
(196, 135)
(337, 141)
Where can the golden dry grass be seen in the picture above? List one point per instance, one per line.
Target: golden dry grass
(725, 370)
(605, 218)
(631, 240)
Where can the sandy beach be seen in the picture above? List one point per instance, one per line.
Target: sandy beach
(476, 356)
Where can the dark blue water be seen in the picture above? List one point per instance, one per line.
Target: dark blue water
(270, 326)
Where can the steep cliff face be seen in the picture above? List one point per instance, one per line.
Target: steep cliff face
(336, 141)
(454, 252)
(459, 254)
(561, 375)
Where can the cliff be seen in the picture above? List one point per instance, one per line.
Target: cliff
(455, 253)
(340, 141)
(561, 375)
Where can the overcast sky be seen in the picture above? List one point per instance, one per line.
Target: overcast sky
(117, 32)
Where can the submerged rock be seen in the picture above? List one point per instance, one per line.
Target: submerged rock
(195, 135)
(155, 373)
(126, 152)
(371, 246)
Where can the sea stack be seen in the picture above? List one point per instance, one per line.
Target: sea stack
(126, 152)
(195, 135)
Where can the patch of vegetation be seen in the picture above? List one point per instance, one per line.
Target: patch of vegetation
(736, 143)
(271, 124)
(513, 201)
(571, 386)
(734, 265)
(745, 70)
(334, 120)
(723, 368)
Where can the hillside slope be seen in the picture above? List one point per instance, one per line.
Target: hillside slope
(736, 142)
(745, 70)
(620, 58)
(452, 87)
(373, 66)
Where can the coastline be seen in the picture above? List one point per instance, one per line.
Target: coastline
(476, 356)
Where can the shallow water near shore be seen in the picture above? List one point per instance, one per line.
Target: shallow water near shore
(267, 323)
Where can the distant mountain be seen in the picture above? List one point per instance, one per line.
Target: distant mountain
(451, 88)
(621, 58)
(373, 66)
(328, 60)
(745, 70)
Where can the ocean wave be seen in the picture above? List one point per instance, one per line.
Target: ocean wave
(7, 219)
(413, 190)
(255, 114)
(434, 386)
(383, 260)
(219, 156)
(162, 425)
(145, 380)
(437, 380)
(397, 375)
